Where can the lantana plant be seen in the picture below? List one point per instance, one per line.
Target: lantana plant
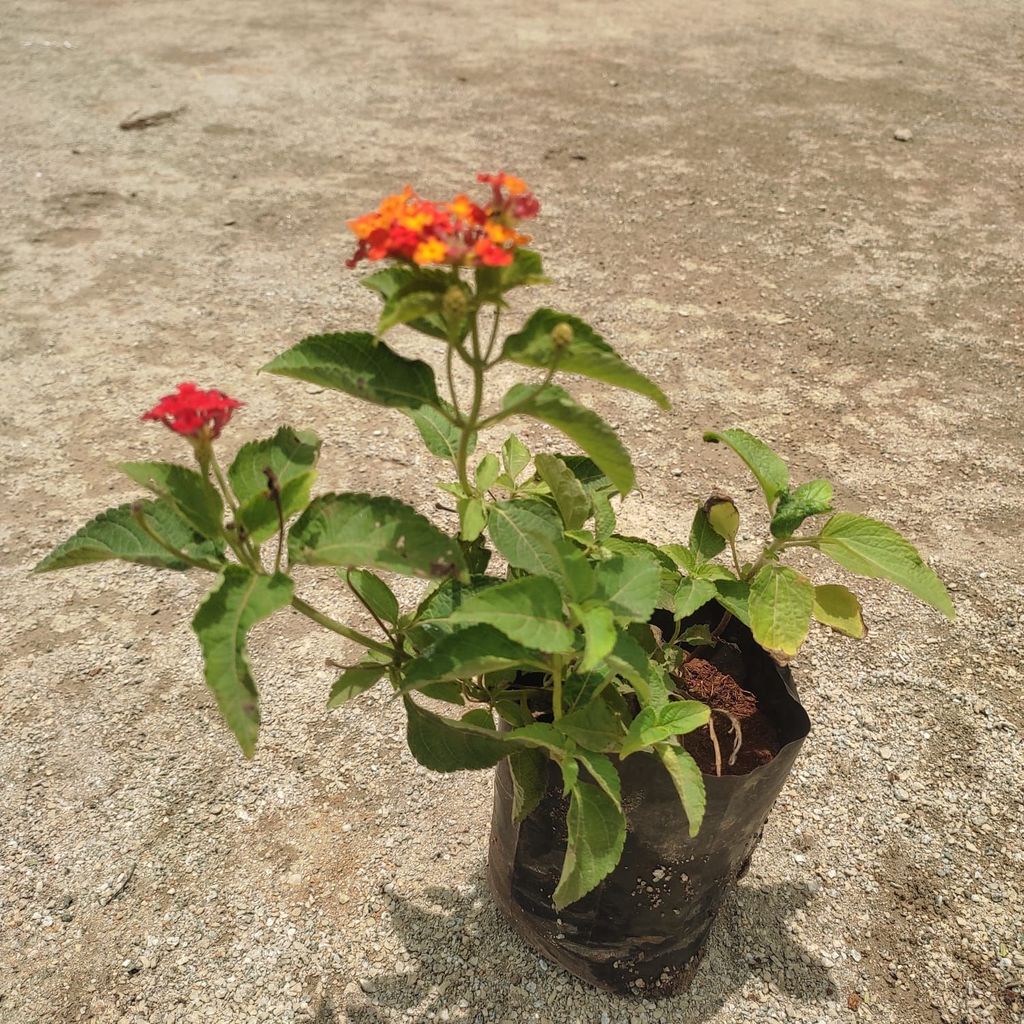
(546, 653)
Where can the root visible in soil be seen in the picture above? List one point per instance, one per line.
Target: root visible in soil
(704, 682)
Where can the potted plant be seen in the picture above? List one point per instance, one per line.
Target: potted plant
(631, 695)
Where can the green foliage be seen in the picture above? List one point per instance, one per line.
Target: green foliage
(196, 500)
(587, 354)
(560, 410)
(781, 601)
(768, 469)
(377, 533)
(686, 777)
(361, 366)
(629, 586)
(811, 499)
(439, 434)
(529, 770)
(870, 548)
(355, 680)
(222, 622)
(836, 607)
(572, 500)
(453, 744)
(655, 725)
(291, 455)
(597, 833)
(705, 541)
(374, 592)
(118, 534)
(393, 282)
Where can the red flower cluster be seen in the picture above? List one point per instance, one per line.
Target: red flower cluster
(459, 233)
(194, 412)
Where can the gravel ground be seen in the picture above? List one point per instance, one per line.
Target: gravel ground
(803, 218)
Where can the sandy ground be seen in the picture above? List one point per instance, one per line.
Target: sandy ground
(725, 199)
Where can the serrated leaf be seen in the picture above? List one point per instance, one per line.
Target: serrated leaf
(655, 725)
(525, 269)
(599, 634)
(529, 770)
(360, 365)
(375, 592)
(572, 500)
(527, 610)
(195, 498)
(837, 607)
(811, 499)
(353, 681)
(705, 543)
(529, 535)
(734, 597)
(688, 781)
(359, 530)
(768, 469)
(515, 456)
(452, 744)
(630, 661)
(402, 308)
(603, 772)
(115, 534)
(472, 519)
(604, 515)
(870, 548)
(594, 726)
(597, 833)
(292, 457)
(439, 434)
(222, 623)
(389, 282)
(487, 472)
(781, 602)
(466, 652)
(691, 595)
(629, 585)
(588, 354)
(558, 409)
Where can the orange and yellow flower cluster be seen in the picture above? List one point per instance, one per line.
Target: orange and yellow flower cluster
(459, 233)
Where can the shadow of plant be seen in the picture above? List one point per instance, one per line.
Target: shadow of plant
(468, 960)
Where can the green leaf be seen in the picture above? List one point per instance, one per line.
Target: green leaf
(525, 269)
(688, 781)
(597, 833)
(487, 472)
(629, 586)
(529, 535)
(603, 772)
(588, 354)
(391, 281)
(572, 500)
(835, 606)
(734, 597)
(439, 434)
(527, 610)
(116, 534)
(630, 661)
(292, 456)
(781, 601)
(604, 515)
(558, 409)
(359, 365)
(593, 726)
(705, 543)
(466, 652)
(515, 456)
(599, 634)
(691, 595)
(529, 770)
(379, 533)
(811, 499)
(410, 306)
(655, 725)
(374, 592)
(769, 470)
(451, 744)
(477, 555)
(870, 548)
(472, 518)
(354, 681)
(222, 623)
(195, 498)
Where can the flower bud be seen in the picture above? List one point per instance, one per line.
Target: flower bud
(561, 335)
(454, 305)
(723, 516)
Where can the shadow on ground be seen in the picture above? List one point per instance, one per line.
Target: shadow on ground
(749, 942)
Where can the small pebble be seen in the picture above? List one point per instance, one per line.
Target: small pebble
(903, 135)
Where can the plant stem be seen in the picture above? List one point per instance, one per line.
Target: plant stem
(556, 683)
(523, 402)
(336, 627)
(471, 422)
